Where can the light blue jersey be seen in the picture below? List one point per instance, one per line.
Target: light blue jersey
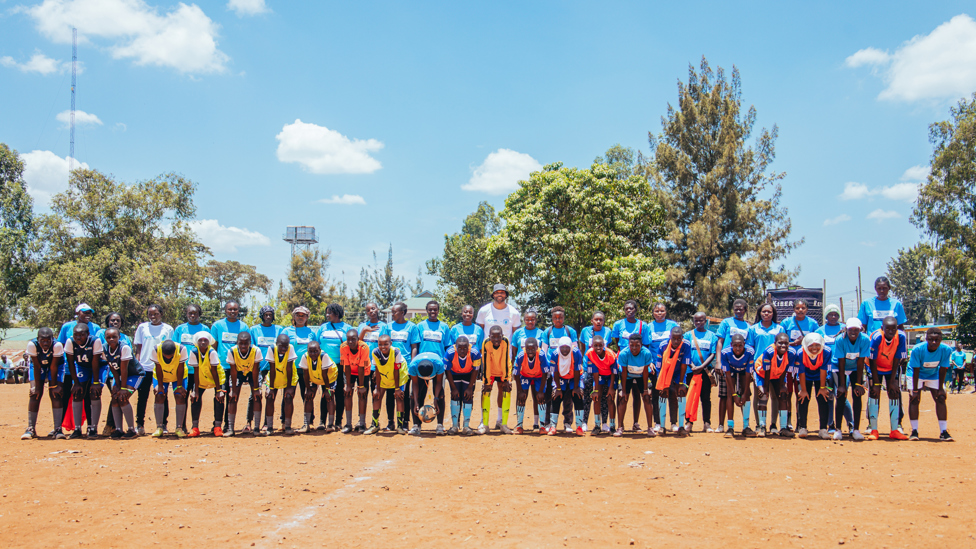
(927, 362)
(873, 312)
(225, 335)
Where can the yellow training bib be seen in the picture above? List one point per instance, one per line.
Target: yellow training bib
(243, 364)
(169, 368)
(317, 375)
(281, 370)
(204, 373)
(387, 368)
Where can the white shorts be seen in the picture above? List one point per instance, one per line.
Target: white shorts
(931, 384)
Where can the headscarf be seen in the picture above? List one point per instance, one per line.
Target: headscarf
(810, 339)
(267, 309)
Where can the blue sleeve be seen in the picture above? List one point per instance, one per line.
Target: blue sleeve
(649, 359)
(900, 313)
(723, 330)
(687, 353)
(862, 314)
(915, 359)
(645, 333)
(415, 336)
(614, 331)
(864, 347)
(902, 344)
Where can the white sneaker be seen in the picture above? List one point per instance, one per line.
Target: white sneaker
(440, 430)
(505, 429)
(605, 428)
(583, 427)
(482, 429)
(415, 430)
(674, 428)
(658, 429)
(856, 435)
(498, 424)
(838, 435)
(708, 428)
(569, 430)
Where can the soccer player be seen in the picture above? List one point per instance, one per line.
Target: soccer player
(425, 369)
(370, 329)
(597, 327)
(112, 320)
(660, 326)
(927, 367)
(673, 361)
(263, 336)
(183, 334)
(602, 365)
(761, 335)
(889, 350)
(499, 313)
(405, 336)
(83, 315)
(958, 360)
(47, 364)
(874, 310)
(831, 331)
(128, 376)
(813, 364)
(146, 339)
(735, 324)
(390, 374)
(331, 337)
(496, 356)
(319, 371)
(433, 339)
(224, 333)
(774, 366)
(169, 372)
(467, 327)
(530, 372)
(355, 362)
(206, 373)
(636, 361)
(300, 336)
(283, 376)
(529, 330)
(83, 355)
(851, 350)
(461, 365)
(799, 325)
(703, 345)
(567, 362)
(244, 360)
(737, 360)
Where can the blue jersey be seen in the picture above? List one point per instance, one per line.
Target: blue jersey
(403, 336)
(552, 335)
(811, 367)
(433, 357)
(433, 337)
(623, 328)
(705, 346)
(958, 359)
(264, 337)
(830, 335)
(474, 333)
(850, 352)
(565, 369)
(522, 359)
(472, 361)
(759, 337)
(586, 337)
(765, 363)
(873, 312)
(633, 364)
(124, 340)
(927, 363)
(372, 339)
(799, 328)
(738, 364)
(728, 328)
(660, 331)
(331, 336)
(684, 356)
(225, 334)
(520, 335)
(68, 329)
(183, 334)
(883, 356)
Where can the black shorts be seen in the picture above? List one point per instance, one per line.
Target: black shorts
(739, 384)
(635, 386)
(367, 381)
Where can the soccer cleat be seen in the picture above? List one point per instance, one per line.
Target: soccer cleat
(637, 428)
(838, 435)
(180, 433)
(707, 427)
(373, 429)
(75, 434)
(748, 432)
(856, 435)
(945, 436)
(321, 426)
(619, 432)
(651, 433)
(58, 434)
(874, 435)
(116, 434)
(568, 429)
(552, 431)
(898, 435)
(401, 431)
(914, 435)
(579, 431)
(786, 432)
(505, 430)
(415, 430)
(92, 432)
(141, 430)
(347, 429)
(773, 432)
(28, 434)
(158, 433)
(390, 427)
(265, 431)
(247, 430)
(229, 433)
(682, 432)
(824, 434)
(218, 432)
(802, 433)
(498, 424)
(194, 432)
(131, 433)
(468, 431)
(519, 431)
(453, 431)
(483, 429)
(440, 431)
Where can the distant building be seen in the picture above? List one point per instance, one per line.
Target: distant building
(416, 305)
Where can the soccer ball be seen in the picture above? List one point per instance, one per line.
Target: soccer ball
(428, 413)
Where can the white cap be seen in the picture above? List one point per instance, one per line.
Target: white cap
(84, 307)
(203, 334)
(565, 342)
(855, 323)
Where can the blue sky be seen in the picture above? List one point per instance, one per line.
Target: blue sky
(411, 114)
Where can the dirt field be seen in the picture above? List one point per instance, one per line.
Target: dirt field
(509, 491)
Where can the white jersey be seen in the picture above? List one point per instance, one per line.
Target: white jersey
(509, 319)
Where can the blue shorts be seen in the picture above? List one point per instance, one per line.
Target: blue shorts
(534, 383)
(46, 373)
(135, 381)
(604, 380)
(168, 385)
(567, 385)
(85, 374)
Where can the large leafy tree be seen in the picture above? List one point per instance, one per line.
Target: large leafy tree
(380, 285)
(226, 280)
(966, 329)
(310, 285)
(946, 206)
(464, 273)
(580, 238)
(910, 273)
(117, 247)
(18, 243)
(726, 231)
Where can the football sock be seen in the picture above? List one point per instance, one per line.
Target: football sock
(455, 412)
(746, 412)
(129, 417)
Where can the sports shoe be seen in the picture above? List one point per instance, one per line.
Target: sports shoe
(180, 433)
(75, 434)
(580, 432)
(838, 435)
(58, 434)
(707, 427)
(773, 432)
(92, 432)
(898, 435)
(321, 426)
(498, 424)
(658, 429)
(674, 428)
(874, 435)
(786, 432)
(914, 435)
(637, 428)
(605, 429)
(218, 432)
(28, 434)
(390, 427)
(131, 433)
(373, 429)
(108, 430)
(945, 436)
(158, 432)
(729, 433)
(346, 430)
(761, 433)
(289, 431)
(116, 434)
(415, 430)
(453, 430)
(141, 430)
(802, 433)
(303, 429)
(552, 431)
(619, 432)
(682, 432)
(194, 432)
(519, 431)
(440, 431)
(483, 429)
(568, 429)
(857, 436)
(229, 433)
(651, 432)
(748, 432)
(505, 430)
(468, 431)
(265, 431)
(824, 435)
(688, 426)
(247, 430)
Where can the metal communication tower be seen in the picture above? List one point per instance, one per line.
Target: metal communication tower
(303, 236)
(74, 76)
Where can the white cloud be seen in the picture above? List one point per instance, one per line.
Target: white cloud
(880, 215)
(223, 239)
(916, 173)
(46, 174)
(81, 118)
(501, 171)
(906, 192)
(855, 191)
(321, 150)
(348, 199)
(835, 220)
(183, 38)
(937, 66)
(38, 63)
(247, 7)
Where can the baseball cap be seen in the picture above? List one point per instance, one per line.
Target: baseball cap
(301, 309)
(84, 307)
(499, 288)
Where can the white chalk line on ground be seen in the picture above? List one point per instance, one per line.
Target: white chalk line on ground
(310, 511)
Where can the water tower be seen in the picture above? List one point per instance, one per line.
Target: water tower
(303, 236)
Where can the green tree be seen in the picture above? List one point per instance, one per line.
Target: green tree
(910, 273)
(726, 230)
(580, 238)
(117, 247)
(464, 273)
(381, 285)
(619, 158)
(946, 205)
(966, 319)
(18, 234)
(226, 280)
(307, 283)
(417, 286)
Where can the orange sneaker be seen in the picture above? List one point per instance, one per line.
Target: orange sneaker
(552, 432)
(519, 431)
(218, 432)
(579, 431)
(874, 435)
(194, 432)
(897, 435)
